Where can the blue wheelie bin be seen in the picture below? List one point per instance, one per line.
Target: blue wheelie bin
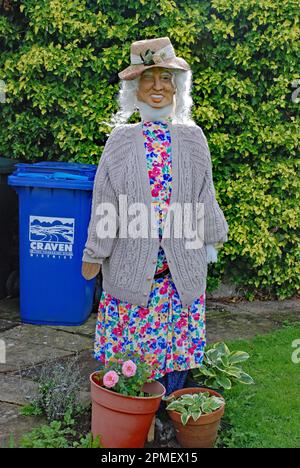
(54, 212)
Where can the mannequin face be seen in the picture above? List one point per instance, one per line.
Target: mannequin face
(156, 87)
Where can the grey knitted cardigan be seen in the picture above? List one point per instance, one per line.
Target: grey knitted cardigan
(129, 264)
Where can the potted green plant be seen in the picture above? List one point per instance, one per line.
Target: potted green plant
(124, 401)
(196, 414)
(196, 421)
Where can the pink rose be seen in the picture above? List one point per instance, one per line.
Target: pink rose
(110, 379)
(129, 368)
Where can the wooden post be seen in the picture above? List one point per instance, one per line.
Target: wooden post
(150, 436)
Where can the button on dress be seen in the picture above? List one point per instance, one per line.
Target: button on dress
(169, 336)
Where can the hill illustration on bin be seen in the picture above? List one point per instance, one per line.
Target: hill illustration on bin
(47, 229)
(51, 236)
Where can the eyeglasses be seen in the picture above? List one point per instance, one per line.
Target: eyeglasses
(163, 76)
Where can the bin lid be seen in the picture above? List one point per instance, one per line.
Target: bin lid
(7, 166)
(54, 175)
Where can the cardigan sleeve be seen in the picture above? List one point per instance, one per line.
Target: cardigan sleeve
(98, 247)
(215, 224)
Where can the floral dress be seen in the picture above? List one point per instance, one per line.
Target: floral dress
(169, 336)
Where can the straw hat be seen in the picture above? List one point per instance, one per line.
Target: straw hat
(152, 53)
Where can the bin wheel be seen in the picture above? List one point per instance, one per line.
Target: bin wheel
(13, 284)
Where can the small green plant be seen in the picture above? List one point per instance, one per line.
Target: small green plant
(31, 410)
(59, 434)
(125, 374)
(54, 435)
(8, 444)
(89, 442)
(12, 443)
(194, 405)
(221, 369)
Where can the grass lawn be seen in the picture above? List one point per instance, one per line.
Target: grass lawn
(266, 414)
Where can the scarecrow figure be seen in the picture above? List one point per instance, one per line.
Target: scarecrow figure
(153, 298)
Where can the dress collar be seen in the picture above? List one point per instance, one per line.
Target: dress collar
(157, 121)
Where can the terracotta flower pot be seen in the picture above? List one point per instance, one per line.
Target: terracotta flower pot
(123, 421)
(201, 433)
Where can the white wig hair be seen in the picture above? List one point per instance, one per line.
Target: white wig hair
(127, 99)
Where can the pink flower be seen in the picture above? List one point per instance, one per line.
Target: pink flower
(118, 331)
(117, 348)
(181, 323)
(155, 171)
(155, 192)
(192, 350)
(164, 289)
(129, 368)
(143, 312)
(158, 186)
(110, 379)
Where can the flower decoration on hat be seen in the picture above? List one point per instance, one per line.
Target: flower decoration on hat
(152, 58)
(158, 58)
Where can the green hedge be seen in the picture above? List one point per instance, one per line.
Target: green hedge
(60, 58)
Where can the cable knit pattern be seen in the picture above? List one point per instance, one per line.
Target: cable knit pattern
(126, 263)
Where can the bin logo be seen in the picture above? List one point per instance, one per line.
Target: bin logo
(51, 237)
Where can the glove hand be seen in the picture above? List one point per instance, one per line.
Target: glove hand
(211, 253)
(90, 270)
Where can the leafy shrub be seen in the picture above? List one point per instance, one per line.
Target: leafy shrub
(60, 59)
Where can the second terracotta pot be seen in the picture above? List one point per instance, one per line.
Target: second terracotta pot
(201, 433)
